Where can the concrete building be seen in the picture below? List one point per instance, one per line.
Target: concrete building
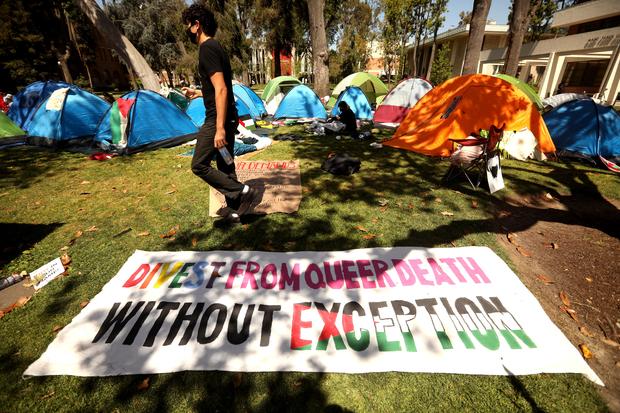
(586, 59)
(495, 36)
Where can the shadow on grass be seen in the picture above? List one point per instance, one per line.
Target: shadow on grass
(19, 237)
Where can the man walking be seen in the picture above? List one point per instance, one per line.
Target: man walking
(217, 135)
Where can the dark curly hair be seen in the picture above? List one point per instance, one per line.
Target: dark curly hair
(198, 12)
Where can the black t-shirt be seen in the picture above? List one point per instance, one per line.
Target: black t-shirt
(211, 59)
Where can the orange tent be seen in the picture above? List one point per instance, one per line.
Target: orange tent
(466, 104)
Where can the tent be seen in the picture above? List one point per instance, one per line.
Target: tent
(300, 102)
(7, 128)
(463, 105)
(356, 100)
(28, 99)
(371, 85)
(400, 100)
(585, 128)
(196, 111)
(142, 120)
(251, 99)
(559, 99)
(66, 116)
(525, 88)
(280, 84)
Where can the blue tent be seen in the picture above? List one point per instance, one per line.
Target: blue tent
(28, 99)
(142, 120)
(300, 102)
(65, 116)
(583, 127)
(251, 99)
(196, 111)
(357, 101)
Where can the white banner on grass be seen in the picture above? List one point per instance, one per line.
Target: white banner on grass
(454, 310)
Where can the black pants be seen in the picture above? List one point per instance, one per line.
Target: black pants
(224, 178)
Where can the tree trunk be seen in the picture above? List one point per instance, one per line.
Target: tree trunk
(277, 69)
(476, 35)
(518, 26)
(123, 47)
(430, 62)
(62, 61)
(320, 56)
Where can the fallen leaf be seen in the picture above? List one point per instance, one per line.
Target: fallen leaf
(383, 209)
(65, 259)
(165, 208)
(583, 330)
(503, 214)
(369, 236)
(65, 248)
(548, 196)
(589, 279)
(48, 395)
(1, 314)
(144, 234)
(610, 342)
(170, 233)
(474, 204)
(512, 238)
(564, 298)
(21, 301)
(123, 232)
(245, 227)
(56, 328)
(361, 228)
(523, 252)
(194, 241)
(617, 363)
(572, 313)
(92, 229)
(587, 354)
(438, 200)
(374, 220)
(144, 384)
(171, 192)
(124, 191)
(554, 246)
(84, 182)
(84, 303)
(78, 234)
(410, 205)
(447, 214)
(453, 243)
(544, 279)
(383, 202)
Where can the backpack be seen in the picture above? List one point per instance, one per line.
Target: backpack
(341, 164)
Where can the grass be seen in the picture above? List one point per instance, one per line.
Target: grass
(46, 197)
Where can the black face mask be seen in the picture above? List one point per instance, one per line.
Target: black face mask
(193, 37)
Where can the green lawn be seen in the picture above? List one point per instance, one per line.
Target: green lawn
(46, 197)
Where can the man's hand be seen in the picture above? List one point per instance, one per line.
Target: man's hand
(220, 138)
(191, 93)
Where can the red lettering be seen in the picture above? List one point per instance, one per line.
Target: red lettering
(365, 274)
(296, 341)
(137, 276)
(420, 272)
(235, 270)
(251, 269)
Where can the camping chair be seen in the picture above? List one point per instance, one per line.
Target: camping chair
(473, 155)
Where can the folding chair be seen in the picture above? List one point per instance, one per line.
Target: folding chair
(473, 155)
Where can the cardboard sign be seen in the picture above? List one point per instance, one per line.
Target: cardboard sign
(279, 183)
(47, 273)
(453, 310)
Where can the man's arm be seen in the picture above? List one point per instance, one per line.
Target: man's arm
(221, 105)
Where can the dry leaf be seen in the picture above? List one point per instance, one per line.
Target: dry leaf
(587, 354)
(144, 384)
(610, 342)
(383, 209)
(84, 182)
(361, 228)
(554, 246)
(123, 232)
(48, 395)
(56, 328)
(410, 205)
(170, 233)
(564, 298)
(65, 259)
(438, 200)
(144, 234)
(245, 227)
(512, 238)
(447, 214)
(503, 214)
(124, 191)
(453, 243)
(572, 313)
(21, 301)
(589, 279)
(78, 234)
(523, 252)
(194, 241)
(92, 229)
(1, 314)
(474, 204)
(544, 279)
(583, 330)
(374, 220)
(383, 202)
(84, 303)
(171, 192)
(369, 236)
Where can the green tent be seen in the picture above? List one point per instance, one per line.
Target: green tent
(8, 128)
(280, 84)
(374, 89)
(525, 88)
